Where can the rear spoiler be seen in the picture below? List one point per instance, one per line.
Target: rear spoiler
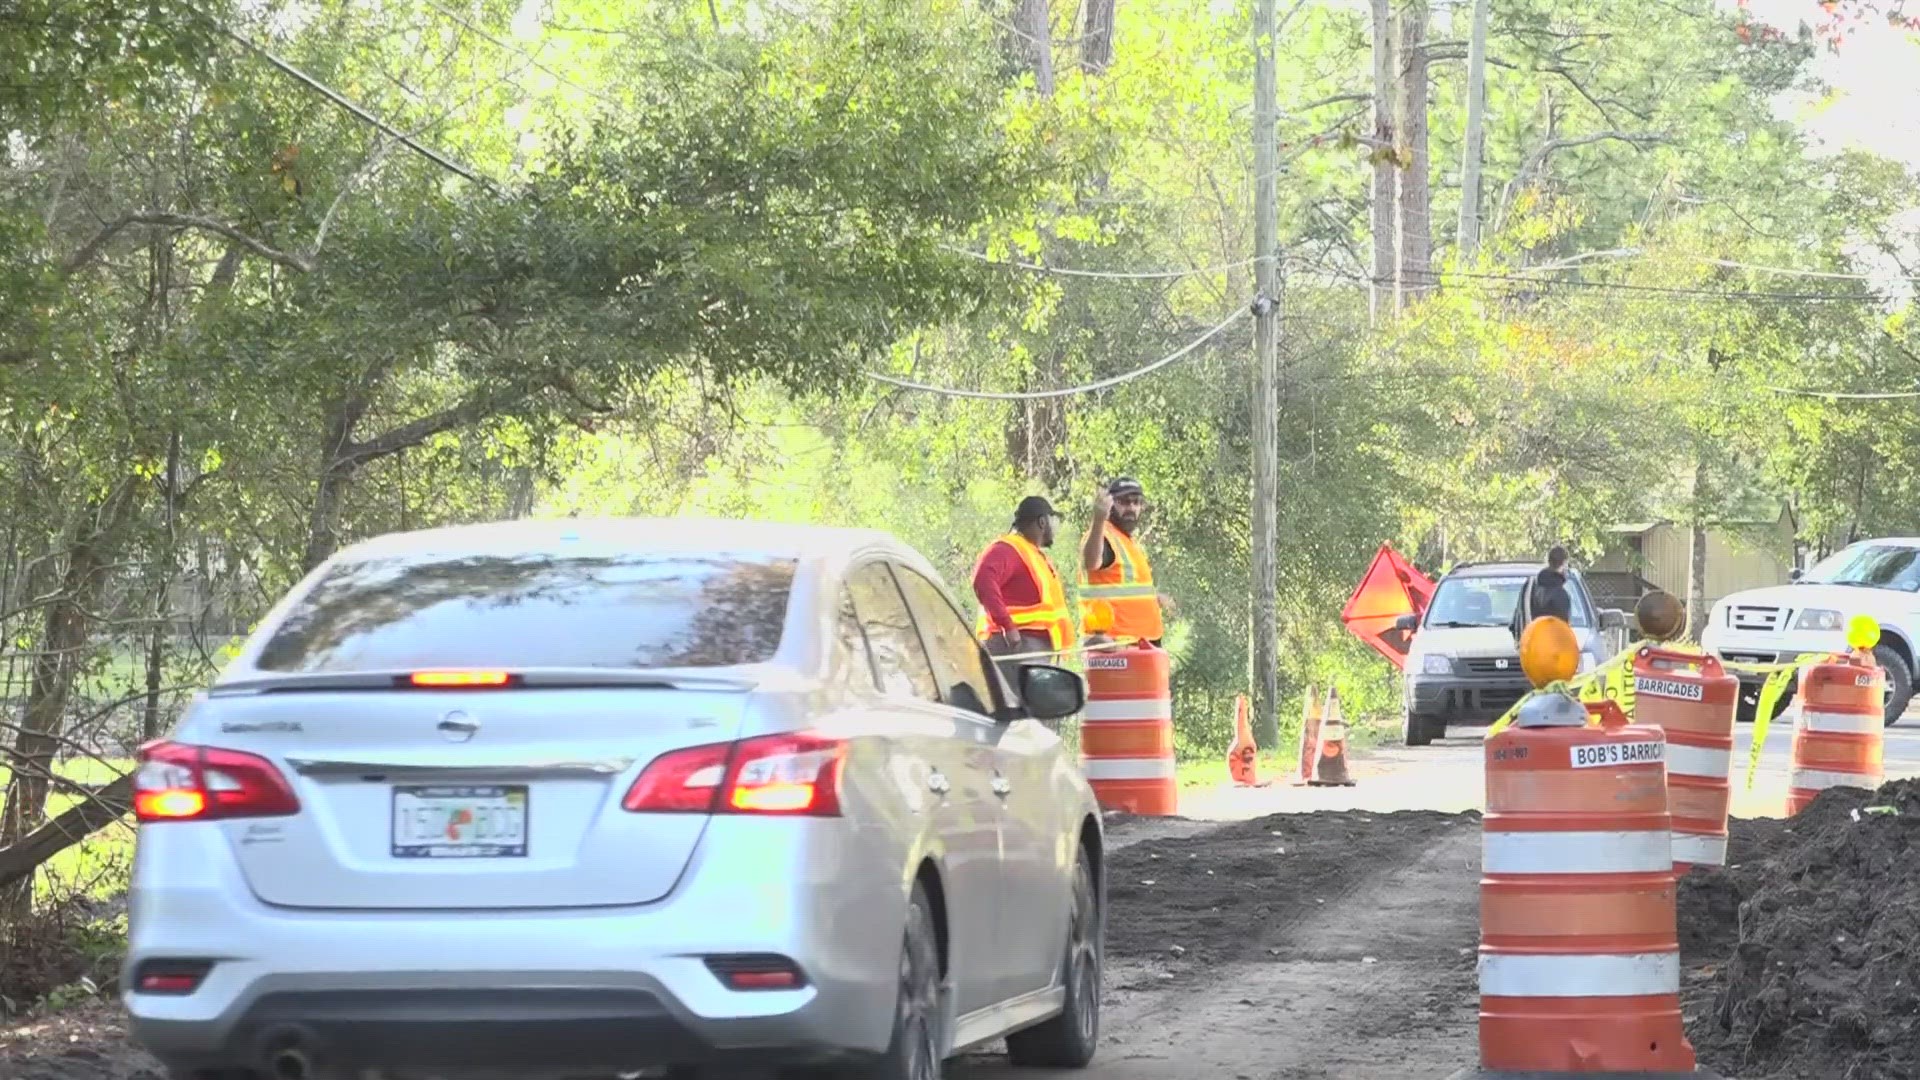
(534, 679)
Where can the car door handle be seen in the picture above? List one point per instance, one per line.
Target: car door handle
(1002, 786)
(937, 783)
(468, 726)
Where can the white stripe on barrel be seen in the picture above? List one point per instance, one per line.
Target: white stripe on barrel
(1127, 709)
(1699, 850)
(1821, 780)
(1127, 768)
(1640, 852)
(1561, 976)
(1707, 761)
(1853, 723)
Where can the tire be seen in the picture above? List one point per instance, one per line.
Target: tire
(1417, 730)
(1899, 682)
(1747, 707)
(1068, 1041)
(915, 1049)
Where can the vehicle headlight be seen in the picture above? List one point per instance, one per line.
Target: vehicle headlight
(1819, 619)
(1436, 665)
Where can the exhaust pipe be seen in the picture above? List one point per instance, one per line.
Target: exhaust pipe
(291, 1064)
(288, 1053)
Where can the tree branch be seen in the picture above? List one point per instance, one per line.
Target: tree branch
(471, 410)
(91, 249)
(102, 807)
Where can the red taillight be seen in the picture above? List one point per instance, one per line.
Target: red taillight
(178, 782)
(773, 774)
(755, 972)
(171, 976)
(459, 680)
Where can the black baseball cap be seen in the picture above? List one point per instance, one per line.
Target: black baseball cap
(1033, 508)
(1125, 485)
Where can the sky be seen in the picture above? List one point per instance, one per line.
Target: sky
(1876, 83)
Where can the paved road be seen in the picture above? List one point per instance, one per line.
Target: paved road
(1447, 776)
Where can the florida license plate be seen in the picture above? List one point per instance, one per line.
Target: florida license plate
(451, 822)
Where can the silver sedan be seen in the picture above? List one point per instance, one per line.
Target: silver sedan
(616, 798)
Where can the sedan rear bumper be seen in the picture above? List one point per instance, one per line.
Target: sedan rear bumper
(516, 1031)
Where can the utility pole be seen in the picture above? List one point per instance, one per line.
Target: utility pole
(1264, 402)
(1476, 141)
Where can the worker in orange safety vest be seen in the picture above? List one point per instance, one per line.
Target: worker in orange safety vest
(1023, 605)
(1117, 596)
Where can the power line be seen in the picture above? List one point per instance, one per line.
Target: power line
(1069, 391)
(1841, 395)
(1117, 275)
(353, 108)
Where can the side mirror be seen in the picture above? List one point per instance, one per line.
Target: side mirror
(1613, 619)
(1051, 693)
(1408, 623)
(1796, 574)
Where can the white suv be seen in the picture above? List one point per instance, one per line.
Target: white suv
(1880, 578)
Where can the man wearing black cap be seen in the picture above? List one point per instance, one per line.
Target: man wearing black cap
(1117, 594)
(1023, 605)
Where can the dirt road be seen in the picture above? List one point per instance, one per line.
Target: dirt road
(1328, 945)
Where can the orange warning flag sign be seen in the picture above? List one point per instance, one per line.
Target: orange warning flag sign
(1391, 588)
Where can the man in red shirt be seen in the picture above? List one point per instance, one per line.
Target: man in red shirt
(1023, 605)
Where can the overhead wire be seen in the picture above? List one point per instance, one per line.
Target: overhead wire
(1068, 391)
(1115, 275)
(351, 107)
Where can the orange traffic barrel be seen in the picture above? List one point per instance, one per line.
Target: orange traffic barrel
(1126, 733)
(1838, 737)
(1579, 955)
(1693, 699)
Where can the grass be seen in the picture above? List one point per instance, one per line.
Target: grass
(1204, 769)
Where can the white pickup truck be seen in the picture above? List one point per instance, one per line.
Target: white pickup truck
(1880, 578)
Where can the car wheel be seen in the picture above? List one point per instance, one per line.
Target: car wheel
(1068, 1041)
(917, 1047)
(1899, 682)
(1417, 730)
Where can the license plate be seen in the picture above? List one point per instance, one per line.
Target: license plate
(475, 822)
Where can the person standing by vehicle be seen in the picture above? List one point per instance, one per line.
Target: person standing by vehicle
(1023, 605)
(1117, 595)
(1546, 596)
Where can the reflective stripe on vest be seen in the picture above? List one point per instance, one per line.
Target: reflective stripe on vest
(1050, 614)
(1126, 588)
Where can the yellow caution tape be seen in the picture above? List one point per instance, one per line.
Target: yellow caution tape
(1778, 676)
(1580, 684)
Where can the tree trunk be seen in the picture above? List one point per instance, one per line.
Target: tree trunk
(1473, 152)
(169, 565)
(1032, 40)
(1413, 225)
(1385, 162)
(1096, 36)
(56, 664)
(323, 521)
(1697, 566)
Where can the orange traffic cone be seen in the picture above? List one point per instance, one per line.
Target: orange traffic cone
(1330, 766)
(1309, 738)
(1242, 755)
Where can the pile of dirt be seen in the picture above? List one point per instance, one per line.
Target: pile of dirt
(1808, 944)
(1209, 896)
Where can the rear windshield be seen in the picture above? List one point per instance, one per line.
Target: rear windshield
(537, 610)
(1489, 601)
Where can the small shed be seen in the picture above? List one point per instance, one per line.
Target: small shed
(1740, 555)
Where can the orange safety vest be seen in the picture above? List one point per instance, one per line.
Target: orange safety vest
(1120, 599)
(1050, 614)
